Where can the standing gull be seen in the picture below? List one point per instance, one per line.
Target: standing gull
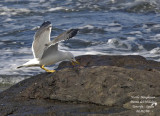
(45, 51)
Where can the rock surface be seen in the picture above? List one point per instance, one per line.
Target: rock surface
(101, 85)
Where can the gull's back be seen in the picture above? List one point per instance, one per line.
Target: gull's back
(41, 37)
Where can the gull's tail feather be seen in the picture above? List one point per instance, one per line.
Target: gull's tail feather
(30, 63)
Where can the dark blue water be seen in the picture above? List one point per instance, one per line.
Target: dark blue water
(112, 27)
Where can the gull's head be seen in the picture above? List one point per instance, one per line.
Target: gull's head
(71, 58)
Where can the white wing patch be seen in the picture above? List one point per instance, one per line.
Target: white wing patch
(41, 38)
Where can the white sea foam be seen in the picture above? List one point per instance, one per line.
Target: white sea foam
(155, 51)
(87, 27)
(35, 28)
(113, 41)
(13, 11)
(8, 20)
(10, 63)
(113, 24)
(131, 38)
(136, 33)
(113, 29)
(11, 79)
(146, 28)
(116, 43)
(57, 9)
(156, 38)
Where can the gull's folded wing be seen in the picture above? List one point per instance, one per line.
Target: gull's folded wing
(50, 50)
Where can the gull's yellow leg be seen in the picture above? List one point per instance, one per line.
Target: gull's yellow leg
(72, 63)
(42, 67)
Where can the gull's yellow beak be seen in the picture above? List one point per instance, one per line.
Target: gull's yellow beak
(74, 62)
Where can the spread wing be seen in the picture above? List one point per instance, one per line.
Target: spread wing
(52, 46)
(41, 37)
(64, 36)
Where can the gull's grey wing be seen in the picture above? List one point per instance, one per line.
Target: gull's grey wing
(64, 36)
(41, 37)
(50, 50)
(52, 47)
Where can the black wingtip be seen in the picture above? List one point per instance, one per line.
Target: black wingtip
(73, 32)
(45, 23)
(19, 67)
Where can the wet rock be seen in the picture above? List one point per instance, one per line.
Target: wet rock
(101, 85)
(130, 61)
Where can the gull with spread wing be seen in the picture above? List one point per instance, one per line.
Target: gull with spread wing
(45, 51)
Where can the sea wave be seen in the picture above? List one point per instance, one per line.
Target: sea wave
(11, 79)
(143, 6)
(13, 11)
(44, 6)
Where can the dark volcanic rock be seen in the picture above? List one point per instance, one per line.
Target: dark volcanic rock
(137, 62)
(101, 85)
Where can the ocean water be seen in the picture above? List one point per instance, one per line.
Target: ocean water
(111, 27)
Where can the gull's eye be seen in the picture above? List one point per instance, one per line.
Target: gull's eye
(72, 58)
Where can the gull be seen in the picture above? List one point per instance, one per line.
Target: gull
(45, 51)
